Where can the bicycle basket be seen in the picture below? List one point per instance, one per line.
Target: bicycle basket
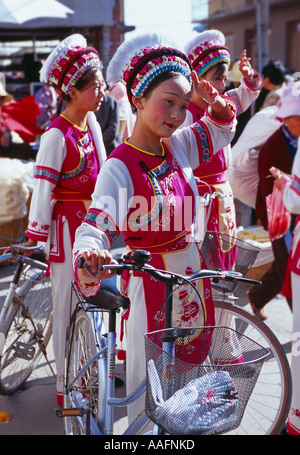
(208, 396)
(222, 251)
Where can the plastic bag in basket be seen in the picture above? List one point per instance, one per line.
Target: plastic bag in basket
(279, 218)
(205, 405)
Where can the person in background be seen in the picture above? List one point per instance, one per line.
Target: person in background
(109, 119)
(234, 79)
(210, 59)
(278, 151)
(70, 156)
(146, 189)
(46, 97)
(243, 211)
(289, 185)
(127, 116)
(274, 82)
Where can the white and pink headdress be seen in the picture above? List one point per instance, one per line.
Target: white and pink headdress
(138, 61)
(68, 62)
(206, 50)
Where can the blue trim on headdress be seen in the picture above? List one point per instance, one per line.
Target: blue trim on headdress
(160, 69)
(212, 63)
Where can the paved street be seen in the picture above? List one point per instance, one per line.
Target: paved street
(33, 408)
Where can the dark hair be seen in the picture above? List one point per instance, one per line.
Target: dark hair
(219, 68)
(275, 71)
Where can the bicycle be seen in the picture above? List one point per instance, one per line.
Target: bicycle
(268, 411)
(90, 355)
(25, 318)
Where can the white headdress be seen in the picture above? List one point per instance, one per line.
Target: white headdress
(207, 49)
(68, 62)
(139, 60)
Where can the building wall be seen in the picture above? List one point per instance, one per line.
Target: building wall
(237, 20)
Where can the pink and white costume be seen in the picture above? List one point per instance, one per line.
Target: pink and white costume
(205, 51)
(152, 200)
(67, 166)
(211, 174)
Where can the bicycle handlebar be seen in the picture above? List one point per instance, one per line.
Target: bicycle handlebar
(127, 263)
(16, 256)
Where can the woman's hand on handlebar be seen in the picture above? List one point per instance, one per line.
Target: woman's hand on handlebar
(27, 253)
(94, 259)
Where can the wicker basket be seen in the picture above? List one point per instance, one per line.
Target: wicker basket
(14, 231)
(10, 233)
(255, 273)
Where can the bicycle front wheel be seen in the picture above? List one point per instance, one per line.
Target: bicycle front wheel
(28, 330)
(269, 404)
(85, 373)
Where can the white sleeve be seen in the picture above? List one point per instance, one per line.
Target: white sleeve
(112, 196)
(245, 94)
(204, 138)
(48, 166)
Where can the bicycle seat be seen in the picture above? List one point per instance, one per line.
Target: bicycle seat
(108, 297)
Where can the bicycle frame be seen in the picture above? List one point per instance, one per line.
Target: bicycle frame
(104, 426)
(21, 260)
(106, 416)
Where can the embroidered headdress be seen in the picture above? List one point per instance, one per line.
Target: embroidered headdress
(68, 62)
(206, 50)
(138, 61)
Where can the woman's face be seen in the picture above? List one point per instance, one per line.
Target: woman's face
(91, 96)
(217, 76)
(163, 110)
(293, 124)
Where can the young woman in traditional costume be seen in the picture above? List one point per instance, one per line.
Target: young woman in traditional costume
(210, 59)
(290, 185)
(67, 165)
(146, 189)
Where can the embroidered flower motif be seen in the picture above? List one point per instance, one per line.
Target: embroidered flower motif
(126, 75)
(73, 69)
(190, 311)
(80, 214)
(295, 412)
(134, 60)
(230, 224)
(207, 293)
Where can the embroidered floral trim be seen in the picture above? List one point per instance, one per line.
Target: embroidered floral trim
(79, 60)
(145, 220)
(203, 135)
(38, 231)
(234, 96)
(102, 220)
(162, 60)
(47, 174)
(85, 148)
(152, 72)
(208, 54)
(161, 169)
